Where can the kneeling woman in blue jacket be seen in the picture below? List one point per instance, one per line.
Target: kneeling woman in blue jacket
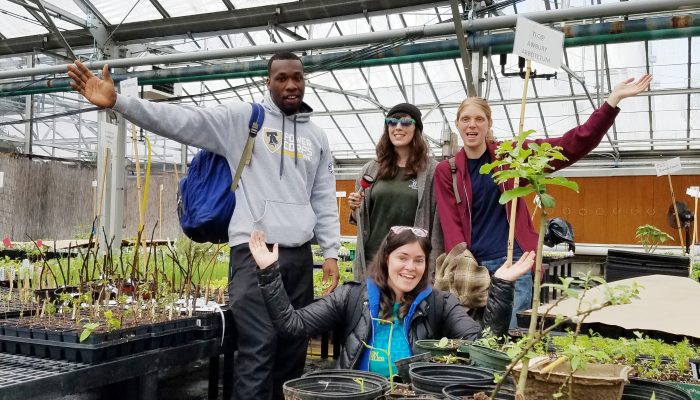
(396, 297)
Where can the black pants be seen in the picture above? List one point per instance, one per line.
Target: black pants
(265, 359)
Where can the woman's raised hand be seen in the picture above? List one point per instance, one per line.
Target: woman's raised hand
(628, 88)
(99, 92)
(523, 266)
(258, 248)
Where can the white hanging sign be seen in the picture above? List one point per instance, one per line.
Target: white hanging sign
(129, 87)
(538, 43)
(668, 167)
(109, 135)
(693, 191)
(340, 194)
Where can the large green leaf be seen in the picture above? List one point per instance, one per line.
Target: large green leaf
(513, 193)
(561, 181)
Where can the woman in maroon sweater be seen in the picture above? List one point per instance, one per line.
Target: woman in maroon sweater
(478, 219)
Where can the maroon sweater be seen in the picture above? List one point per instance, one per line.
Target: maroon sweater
(456, 219)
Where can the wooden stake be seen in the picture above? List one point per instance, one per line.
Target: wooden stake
(678, 220)
(516, 182)
(695, 234)
(138, 173)
(160, 211)
(99, 201)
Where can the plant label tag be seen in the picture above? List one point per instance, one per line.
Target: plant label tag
(668, 167)
(12, 273)
(94, 184)
(693, 191)
(2, 273)
(2, 179)
(21, 273)
(108, 135)
(538, 43)
(25, 263)
(129, 87)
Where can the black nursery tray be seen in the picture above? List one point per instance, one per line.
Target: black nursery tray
(17, 369)
(210, 324)
(99, 346)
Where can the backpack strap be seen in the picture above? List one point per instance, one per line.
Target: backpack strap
(435, 315)
(254, 124)
(453, 171)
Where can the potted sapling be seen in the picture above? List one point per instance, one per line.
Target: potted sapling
(528, 164)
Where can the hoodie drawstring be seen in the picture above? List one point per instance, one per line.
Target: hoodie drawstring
(282, 146)
(295, 141)
(282, 149)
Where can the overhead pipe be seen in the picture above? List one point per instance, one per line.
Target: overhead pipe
(624, 31)
(442, 29)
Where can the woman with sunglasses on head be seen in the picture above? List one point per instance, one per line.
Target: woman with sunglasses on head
(395, 189)
(473, 215)
(395, 301)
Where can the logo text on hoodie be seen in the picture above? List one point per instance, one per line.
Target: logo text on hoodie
(273, 142)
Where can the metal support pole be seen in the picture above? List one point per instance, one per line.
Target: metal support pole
(463, 52)
(29, 113)
(118, 185)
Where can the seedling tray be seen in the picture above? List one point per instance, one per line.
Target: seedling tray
(99, 346)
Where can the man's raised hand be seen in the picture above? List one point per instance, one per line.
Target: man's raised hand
(99, 92)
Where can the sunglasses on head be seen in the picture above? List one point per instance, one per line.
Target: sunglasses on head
(420, 232)
(404, 121)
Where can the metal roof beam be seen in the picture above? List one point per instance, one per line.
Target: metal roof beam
(160, 9)
(281, 29)
(228, 4)
(88, 8)
(233, 20)
(53, 28)
(55, 55)
(56, 12)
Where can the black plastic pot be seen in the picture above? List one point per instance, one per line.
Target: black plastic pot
(622, 264)
(353, 373)
(642, 389)
(460, 390)
(330, 387)
(695, 368)
(642, 358)
(432, 378)
(403, 365)
(488, 358)
(431, 346)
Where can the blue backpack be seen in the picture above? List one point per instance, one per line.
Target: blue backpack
(206, 195)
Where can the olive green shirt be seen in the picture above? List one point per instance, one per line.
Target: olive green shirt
(392, 202)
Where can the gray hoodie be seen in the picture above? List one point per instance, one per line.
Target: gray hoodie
(289, 195)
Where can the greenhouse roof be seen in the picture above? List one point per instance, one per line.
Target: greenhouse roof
(351, 92)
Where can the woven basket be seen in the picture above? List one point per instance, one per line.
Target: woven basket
(596, 382)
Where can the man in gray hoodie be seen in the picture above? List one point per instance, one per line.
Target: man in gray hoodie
(287, 191)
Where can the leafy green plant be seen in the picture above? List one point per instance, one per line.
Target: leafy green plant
(650, 237)
(660, 360)
(529, 163)
(531, 345)
(88, 329)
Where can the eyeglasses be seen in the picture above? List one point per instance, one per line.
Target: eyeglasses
(403, 121)
(420, 232)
